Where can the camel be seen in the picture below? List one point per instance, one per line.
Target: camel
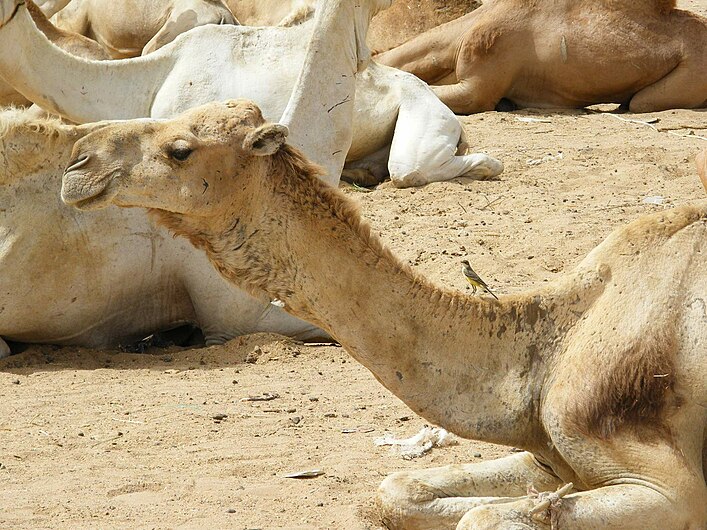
(562, 54)
(404, 20)
(272, 12)
(138, 28)
(702, 167)
(600, 376)
(61, 284)
(71, 42)
(400, 127)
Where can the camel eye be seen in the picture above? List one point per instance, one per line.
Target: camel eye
(180, 153)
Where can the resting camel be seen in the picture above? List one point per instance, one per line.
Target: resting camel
(405, 18)
(702, 167)
(129, 29)
(105, 279)
(644, 54)
(400, 127)
(600, 376)
(71, 42)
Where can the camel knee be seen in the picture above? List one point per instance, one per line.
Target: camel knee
(400, 497)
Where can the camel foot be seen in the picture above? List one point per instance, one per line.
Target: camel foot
(409, 180)
(483, 167)
(4, 349)
(361, 177)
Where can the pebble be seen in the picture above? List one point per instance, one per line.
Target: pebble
(219, 417)
(231, 510)
(16, 382)
(477, 455)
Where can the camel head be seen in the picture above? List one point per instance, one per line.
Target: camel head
(8, 9)
(188, 165)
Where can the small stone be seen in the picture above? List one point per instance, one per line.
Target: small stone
(81, 434)
(330, 415)
(312, 398)
(253, 356)
(290, 411)
(477, 455)
(16, 382)
(295, 419)
(231, 510)
(219, 417)
(404, 418)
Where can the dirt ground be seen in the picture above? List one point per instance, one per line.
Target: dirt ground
(104, 439)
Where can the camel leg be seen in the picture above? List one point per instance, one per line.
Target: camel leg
(438, 498)
(620, 507)
(368, 171)
(4, 349)
(683, 88)
(424, 146)
(464, 98)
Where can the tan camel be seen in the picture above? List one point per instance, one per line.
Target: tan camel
(73, 43)
(702, 167)
(129, 29)
(569, 53)
(600, 376)
(107, 279)
(404, 20)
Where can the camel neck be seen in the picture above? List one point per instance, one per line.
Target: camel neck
(75, 88)
(474, 366)
(325, 87)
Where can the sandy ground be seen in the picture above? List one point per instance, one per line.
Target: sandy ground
(104, 439)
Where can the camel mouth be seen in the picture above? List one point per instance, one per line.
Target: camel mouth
(83, 192)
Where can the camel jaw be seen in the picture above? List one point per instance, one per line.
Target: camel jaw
(85, 191)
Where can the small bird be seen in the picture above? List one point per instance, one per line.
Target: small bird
(475, 280)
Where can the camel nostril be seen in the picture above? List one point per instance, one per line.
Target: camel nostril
(77, 163)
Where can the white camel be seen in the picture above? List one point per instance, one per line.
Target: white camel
(129, 29)
(61, 284)
(393, 110)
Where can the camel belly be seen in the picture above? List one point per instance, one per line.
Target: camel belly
(571, 67)
(62, 284)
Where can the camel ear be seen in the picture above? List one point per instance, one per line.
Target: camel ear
(266, 140)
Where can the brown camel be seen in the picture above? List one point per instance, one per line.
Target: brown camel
(702, 167)
(644, 54)
(600, 376)
(70, 42)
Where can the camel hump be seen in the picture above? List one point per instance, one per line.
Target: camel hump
(645, 234)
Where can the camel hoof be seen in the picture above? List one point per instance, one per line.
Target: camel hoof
(484, 167)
